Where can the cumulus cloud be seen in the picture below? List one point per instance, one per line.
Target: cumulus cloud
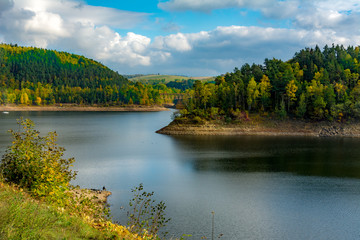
(209, 5)
(223, 48)
(73, 26)
(281, 9)
(5, 5)
(178, 42)
(333, 17)
(329, 14)
(269, 8)
(304, 13)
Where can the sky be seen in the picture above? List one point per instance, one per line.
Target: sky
(183, 37)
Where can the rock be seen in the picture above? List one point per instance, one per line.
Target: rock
(96, 195)
(331, 131)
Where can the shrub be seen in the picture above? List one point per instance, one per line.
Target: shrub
(35, 163)
(198, 120)
(146, 217)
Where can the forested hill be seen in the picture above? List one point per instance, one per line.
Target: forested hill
(315, 84)
(35, 65)
(34, 76)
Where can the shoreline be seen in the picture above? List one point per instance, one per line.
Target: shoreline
(97, 196)
(266, 128)
(77, 108)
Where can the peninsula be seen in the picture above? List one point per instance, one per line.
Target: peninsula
(316, 93)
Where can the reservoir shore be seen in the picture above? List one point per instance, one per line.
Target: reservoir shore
(266, 128)
(78, 108)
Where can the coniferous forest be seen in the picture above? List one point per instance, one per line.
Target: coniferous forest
(315, 84)
(35, 76)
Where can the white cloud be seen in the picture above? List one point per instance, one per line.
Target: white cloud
(178, 42)
(5, 5)
(224, 48)
(209, 5)
(70, 25)
(41, 22)
(304, 13)
(342, 17)
(73, 26)
(75, 11)
(281, 9)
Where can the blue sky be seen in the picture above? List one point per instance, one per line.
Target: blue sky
(187, 37)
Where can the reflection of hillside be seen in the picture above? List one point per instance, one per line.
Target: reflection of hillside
(303, 156)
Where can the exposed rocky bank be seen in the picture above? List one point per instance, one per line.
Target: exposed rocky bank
(266, 128)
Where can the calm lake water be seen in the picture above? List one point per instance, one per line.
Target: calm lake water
(258, 187)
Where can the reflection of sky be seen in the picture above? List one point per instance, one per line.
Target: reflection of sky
(259, 188)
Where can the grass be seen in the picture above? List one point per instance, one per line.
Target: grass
(48, 208)
(22, 217)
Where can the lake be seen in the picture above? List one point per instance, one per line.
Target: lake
(258, 187)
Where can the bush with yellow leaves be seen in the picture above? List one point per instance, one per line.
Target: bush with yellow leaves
(35, 163)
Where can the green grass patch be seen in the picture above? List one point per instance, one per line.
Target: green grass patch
(22, 217)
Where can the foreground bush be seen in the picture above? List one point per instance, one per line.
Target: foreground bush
(37, 200)
(35, 163)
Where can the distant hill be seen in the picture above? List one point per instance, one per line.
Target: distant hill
(154, 78)
(36, 76)
(37, 65)
(171, 81)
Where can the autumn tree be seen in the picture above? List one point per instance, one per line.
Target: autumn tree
(252, 93)
(291, 89)
(264, 91)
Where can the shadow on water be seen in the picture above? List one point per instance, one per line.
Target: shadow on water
(308, 156)
(259, 187)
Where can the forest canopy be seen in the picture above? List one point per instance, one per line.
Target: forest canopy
(36, 76)
(315, 84)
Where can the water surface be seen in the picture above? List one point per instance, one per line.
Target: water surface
(258, 187)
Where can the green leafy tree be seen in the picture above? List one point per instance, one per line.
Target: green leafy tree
(301, 110)
(319, 108)
(281, 111)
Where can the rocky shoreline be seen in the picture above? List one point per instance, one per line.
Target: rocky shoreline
(96, 195)
(267, 128)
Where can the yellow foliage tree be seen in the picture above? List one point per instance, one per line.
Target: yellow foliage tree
(264, 90)
(291, 90)
(340, 90)
(24, 98)
(38, 101)
(252, 92)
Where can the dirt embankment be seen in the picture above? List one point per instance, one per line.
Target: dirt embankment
(77, 108)
(266, 128)
(96, 195)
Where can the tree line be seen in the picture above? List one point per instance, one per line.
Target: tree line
(315, 84)
(35, 76)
